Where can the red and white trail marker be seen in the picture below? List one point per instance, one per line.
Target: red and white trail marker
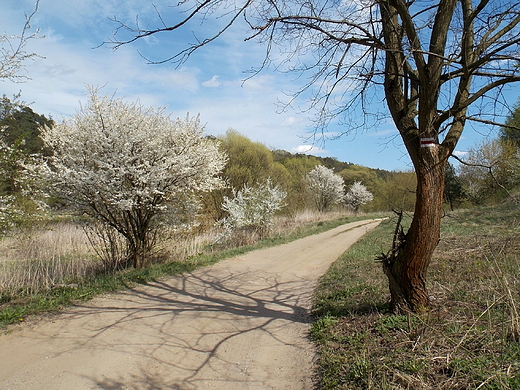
(427, 142)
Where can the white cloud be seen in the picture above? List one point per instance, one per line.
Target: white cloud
(184, 78)
(290, 121)
(260, 82)
(459, 153)
(308, 149)
(212, 83)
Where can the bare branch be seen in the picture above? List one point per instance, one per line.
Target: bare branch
(146, 33)
(489, 168)
(12, 53)
(490, 122)
(388, 42)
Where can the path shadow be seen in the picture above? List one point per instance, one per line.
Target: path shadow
(188, 326)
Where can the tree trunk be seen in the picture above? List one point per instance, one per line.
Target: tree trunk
(141, 250)
(135, 227)
(406, 267)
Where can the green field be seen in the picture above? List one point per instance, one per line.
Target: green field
(469, 339)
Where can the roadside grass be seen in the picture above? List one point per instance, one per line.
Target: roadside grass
(469, 339)
(46, 270)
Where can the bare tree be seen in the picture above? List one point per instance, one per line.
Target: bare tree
(438, 63)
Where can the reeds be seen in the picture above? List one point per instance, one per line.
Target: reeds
(41, 258)
(64, 253)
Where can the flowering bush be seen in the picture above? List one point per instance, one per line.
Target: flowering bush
(253, 208)
(357, 196)
(8, 214)
(18, 198)
(128, 166)
(325, 188)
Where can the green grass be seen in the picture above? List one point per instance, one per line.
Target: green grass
(469, 338)
(16, 308)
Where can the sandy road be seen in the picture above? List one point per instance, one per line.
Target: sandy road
(240, 324)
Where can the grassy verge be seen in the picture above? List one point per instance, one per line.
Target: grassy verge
(16, 308)
(468, 340)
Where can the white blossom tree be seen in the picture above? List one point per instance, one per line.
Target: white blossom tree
(127, 166)
(325, 188)
(9, 212)
(12, 58)
(19, 197)
(253, 207)
(357, 196)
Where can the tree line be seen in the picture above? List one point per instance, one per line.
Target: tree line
(489, 173)
(247, 164)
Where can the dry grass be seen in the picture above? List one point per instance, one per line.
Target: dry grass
(60, 253)
(56, 239)
(44, 257)
(468, 340)
(299, 221)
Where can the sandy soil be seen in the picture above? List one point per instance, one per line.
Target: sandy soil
(240, 324)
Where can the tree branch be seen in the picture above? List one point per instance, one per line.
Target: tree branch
(488, 167)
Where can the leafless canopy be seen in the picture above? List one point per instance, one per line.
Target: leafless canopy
(450, 53)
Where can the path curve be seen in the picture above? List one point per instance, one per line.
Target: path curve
(240, 324)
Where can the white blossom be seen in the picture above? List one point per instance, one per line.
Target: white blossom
(126, 164)
(513, 169)
(253, 207)
(14, 210)
(325, 188)
(8, 213)
(357, 196)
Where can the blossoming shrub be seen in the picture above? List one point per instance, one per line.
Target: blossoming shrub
(130, 167)
(324, 187)
(19, 200)
(252, 209)
(357, 196)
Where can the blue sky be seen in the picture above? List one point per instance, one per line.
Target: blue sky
(211, 83)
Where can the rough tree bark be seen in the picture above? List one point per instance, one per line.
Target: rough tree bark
(406, 267)
(412, 97)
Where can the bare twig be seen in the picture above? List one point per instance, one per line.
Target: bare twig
(12, 53)
(488, 167)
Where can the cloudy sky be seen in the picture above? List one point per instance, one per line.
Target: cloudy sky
(211, 83)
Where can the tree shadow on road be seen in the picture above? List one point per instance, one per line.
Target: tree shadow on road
(203, 327)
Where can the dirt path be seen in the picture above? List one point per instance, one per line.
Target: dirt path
(240, 324)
